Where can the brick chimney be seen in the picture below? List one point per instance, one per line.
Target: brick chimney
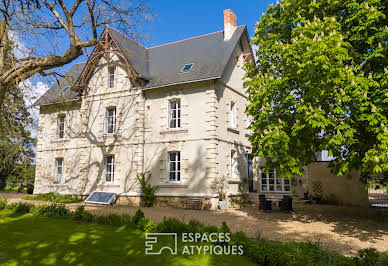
(229, 24)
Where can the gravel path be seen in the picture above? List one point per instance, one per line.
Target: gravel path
(344, 229)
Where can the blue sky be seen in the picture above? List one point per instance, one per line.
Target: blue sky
(176, 20)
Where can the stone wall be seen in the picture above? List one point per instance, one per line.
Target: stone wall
(334, 189)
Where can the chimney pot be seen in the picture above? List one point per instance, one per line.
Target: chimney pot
(229, 23)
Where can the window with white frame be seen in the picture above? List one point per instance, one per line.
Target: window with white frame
(109, 168)
(61, 121)
(174, 166)
(233, 165)
(233, 115)
(110, 120)
(174, 114)
(111, 77)
(271, 183)
(58, 173)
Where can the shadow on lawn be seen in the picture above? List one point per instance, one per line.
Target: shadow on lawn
(361, 223)
(33, 240)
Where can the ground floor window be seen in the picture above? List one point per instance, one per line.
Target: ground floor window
(174, 166)
(58, 175)
(109, 168)
(270, 182)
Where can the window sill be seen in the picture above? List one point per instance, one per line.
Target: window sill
(108, 185)
(233, 130)
(60, 140)
(173, 185)
(173, 131)
(234, 181)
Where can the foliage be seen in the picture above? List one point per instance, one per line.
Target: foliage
(138, 215)
(19, 208)
(81, 215)
(147, 190)
(367, 256)
(3, 203)
(240, 200)
(172, 225)
(219, 185)
(321, 83)
(146, 225)
(52, 197)
(52, 210)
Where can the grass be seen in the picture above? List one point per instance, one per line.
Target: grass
(34, 240)
(53, 198)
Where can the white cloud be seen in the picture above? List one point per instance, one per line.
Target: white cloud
(31, 92)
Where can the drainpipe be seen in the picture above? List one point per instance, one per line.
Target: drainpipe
(144, 103)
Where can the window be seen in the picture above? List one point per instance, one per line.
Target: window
(111, 77)
(233, 165)
(58, 174)
(174, 166)
(174, 116)
(186, 68)
(270, 183)
(65, 89)
(109, 168)
(233, 114)
(61, 126)
(110, 120)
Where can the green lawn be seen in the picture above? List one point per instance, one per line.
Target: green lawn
(31, 240)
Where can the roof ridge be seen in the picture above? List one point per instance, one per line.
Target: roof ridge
(199, 36)
(126, 37)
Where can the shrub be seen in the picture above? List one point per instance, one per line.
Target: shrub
(138, 215)
(146, 225)
(367, 256)
(53, 210)
(147, 190)
(82, 215)
(224, 228)
(172, 225)
(3, 203)
(19, 208)
(52, 197)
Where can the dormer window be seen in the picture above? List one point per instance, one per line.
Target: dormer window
(111, 77)
(186, 68)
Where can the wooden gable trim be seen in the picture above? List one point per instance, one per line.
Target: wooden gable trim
(103, 46)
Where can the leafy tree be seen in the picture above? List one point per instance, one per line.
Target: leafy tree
(16, 143)
(321, 83)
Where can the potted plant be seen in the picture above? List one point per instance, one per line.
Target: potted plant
(219, 186)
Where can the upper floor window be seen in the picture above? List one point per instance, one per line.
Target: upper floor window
(248, 124)
(58, 173)
(233, 115)
(271, 183)
(233, 165)
(111, 77)
(174, 116)
(109, 168)
(174, 166)
(110, 120)
(61, 121)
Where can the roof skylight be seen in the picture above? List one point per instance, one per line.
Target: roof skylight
(66, 88)
(186, 68)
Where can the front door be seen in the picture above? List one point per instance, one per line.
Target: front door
(250, 173)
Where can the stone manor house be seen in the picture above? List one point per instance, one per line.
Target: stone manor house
(175, 110)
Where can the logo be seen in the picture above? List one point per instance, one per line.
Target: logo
(191, 244)
(152, 241)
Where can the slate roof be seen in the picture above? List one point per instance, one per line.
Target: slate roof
(161, 65)
(55, 94)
